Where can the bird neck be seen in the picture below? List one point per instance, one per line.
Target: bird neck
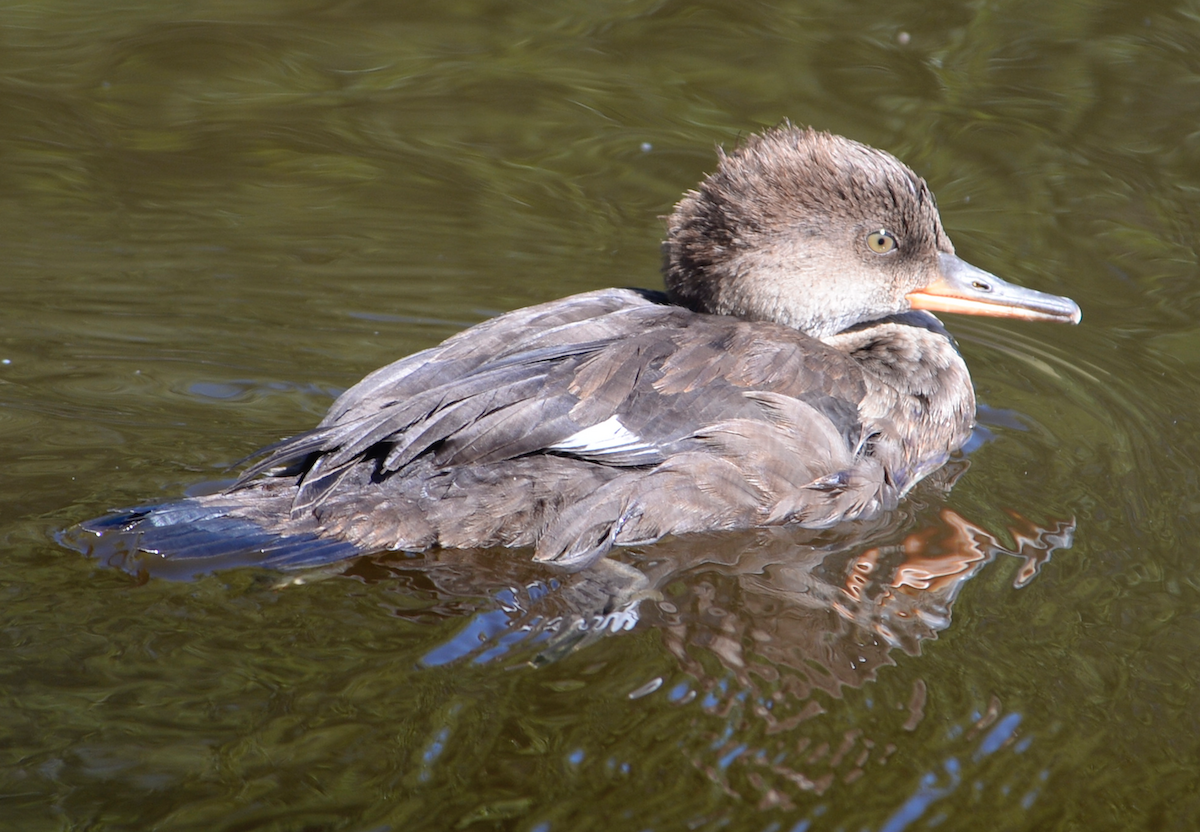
(920, 403)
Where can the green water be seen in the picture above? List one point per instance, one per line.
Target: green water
(215, 216)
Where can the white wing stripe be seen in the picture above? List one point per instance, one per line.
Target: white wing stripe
(608, 437)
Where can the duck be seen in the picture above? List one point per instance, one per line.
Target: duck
(792, 372)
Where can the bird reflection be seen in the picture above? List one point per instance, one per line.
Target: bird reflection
(825, 608)
(833, 616)
(769, 625)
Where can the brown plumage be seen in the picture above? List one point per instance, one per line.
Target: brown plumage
(786, 377)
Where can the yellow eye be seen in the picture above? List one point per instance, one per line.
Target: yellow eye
(881, 241)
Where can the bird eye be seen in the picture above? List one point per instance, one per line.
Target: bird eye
(881, 241)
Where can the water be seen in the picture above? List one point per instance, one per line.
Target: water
(214, 217)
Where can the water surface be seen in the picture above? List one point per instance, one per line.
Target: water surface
(215, 217)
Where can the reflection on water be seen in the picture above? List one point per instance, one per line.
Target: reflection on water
(765, 626)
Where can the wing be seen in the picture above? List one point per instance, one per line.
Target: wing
(610, 377)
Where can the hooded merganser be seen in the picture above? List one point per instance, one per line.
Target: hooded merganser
(791, 374)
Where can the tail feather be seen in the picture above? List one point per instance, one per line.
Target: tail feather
(196, 536)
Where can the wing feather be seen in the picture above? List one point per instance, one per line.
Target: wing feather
(610, 378)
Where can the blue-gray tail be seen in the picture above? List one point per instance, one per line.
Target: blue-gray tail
(196, 536)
